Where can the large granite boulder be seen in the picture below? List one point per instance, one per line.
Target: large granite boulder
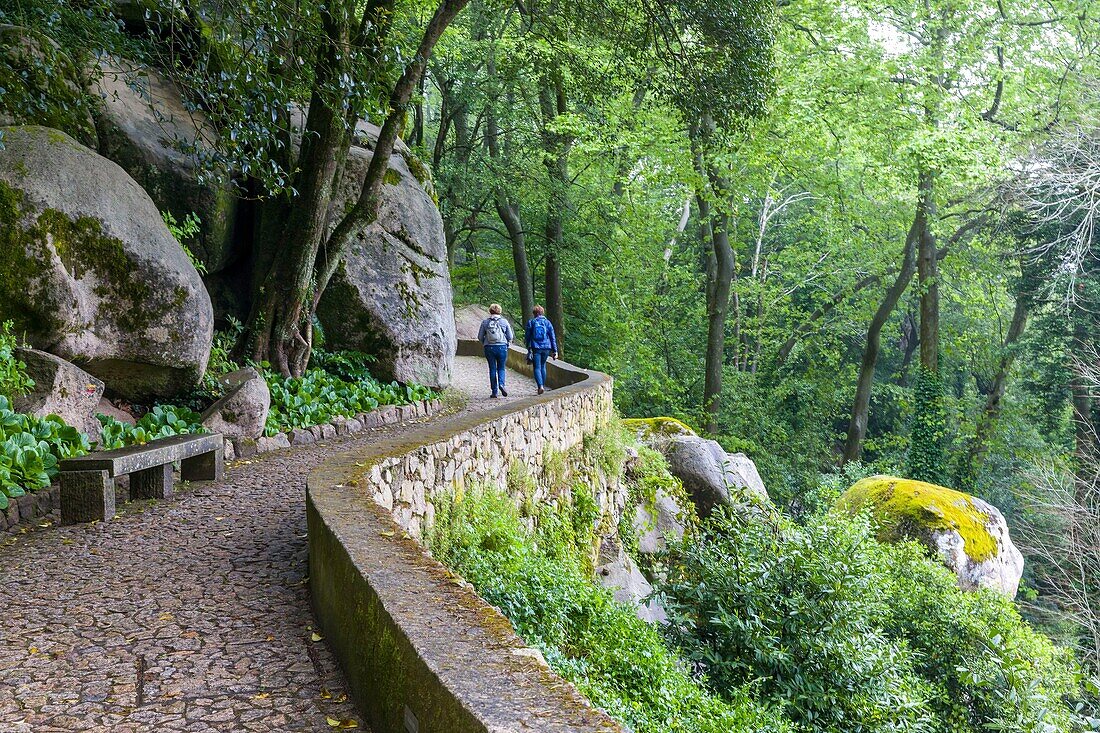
(711, 476)
(242, 411)
(91, 273)
(968, 535)
(621, 576)
(42, 86)
(655, 525)
(391, 296)
(146, 127)
(61, 389)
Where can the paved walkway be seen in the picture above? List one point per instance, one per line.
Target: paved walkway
(187, 615)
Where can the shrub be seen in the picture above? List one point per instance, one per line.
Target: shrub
(847, 633)
(30, 448)
(13, 373)
(621, 663)
(755, 597)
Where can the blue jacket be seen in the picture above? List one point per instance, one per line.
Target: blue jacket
(549, 342)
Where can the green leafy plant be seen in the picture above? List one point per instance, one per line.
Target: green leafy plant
(341, 386)
(13, 372)
(846, 633)
(162, 422)
(621, 663)
(30, 448)
(183, 231)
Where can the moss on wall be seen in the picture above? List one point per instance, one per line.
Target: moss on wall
(904, 508)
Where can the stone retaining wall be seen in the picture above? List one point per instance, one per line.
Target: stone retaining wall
(420, 649)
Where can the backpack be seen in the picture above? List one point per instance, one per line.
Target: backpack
(494, 333)
(538, 331)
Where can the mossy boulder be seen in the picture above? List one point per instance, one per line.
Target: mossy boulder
(968, 535)
(653, 429)
(391, 296)
(91, 273)
(41, 85)
(145, 126)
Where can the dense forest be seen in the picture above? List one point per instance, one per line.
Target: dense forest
(844, 238)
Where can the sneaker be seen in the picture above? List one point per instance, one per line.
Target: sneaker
(493, 396)
(541, 390)
(503, 392)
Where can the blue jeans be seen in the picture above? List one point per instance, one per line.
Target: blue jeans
(497, 356)
(538, 361)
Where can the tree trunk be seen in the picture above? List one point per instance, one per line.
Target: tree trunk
(857, 425)
(720, 272)
(365, 210)
(991, 413)
(509, 212)
(552, 101)
(304, 260)
(928, 276)
(279, 322)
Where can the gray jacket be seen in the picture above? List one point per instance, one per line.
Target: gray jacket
(505, 327)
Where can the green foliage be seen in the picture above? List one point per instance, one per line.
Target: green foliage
(340, 387)
(620, 662)
(183, 231)
(13, 372)
(927, 459)
(161, 422)
(850, 634)
(30, 448)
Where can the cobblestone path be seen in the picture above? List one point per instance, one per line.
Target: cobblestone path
(203, 598)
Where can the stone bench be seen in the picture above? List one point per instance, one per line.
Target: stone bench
(88, 482)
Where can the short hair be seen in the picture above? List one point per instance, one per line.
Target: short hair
(539, 310)
(495, 309)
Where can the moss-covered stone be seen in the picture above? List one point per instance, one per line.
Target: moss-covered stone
(904, 508)
(656, 427)
(42, 85)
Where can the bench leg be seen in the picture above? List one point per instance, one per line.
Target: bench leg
(152, 483)
(205, 467)
(86, 496)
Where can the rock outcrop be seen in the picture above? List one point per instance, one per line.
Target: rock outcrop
(621, 575)
(42, 86)
(61, 389)
(145, 126)
(91, 273)
(657, 432)
(968, 535)
(711, 476)
(657, 524)
(391, 296)
(242, 411)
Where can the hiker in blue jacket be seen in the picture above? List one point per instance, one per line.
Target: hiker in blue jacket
(495, 334)
(542, 344)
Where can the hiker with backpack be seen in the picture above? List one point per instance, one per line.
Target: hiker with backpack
(495, 334)
(542, 344)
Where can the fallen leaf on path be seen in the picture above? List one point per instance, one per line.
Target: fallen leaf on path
(315, 636)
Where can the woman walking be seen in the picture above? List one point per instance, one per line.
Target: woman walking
(495, 334)
(542, 344)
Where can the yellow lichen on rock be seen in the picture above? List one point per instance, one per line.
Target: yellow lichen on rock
(662, 427)
(904, 508)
